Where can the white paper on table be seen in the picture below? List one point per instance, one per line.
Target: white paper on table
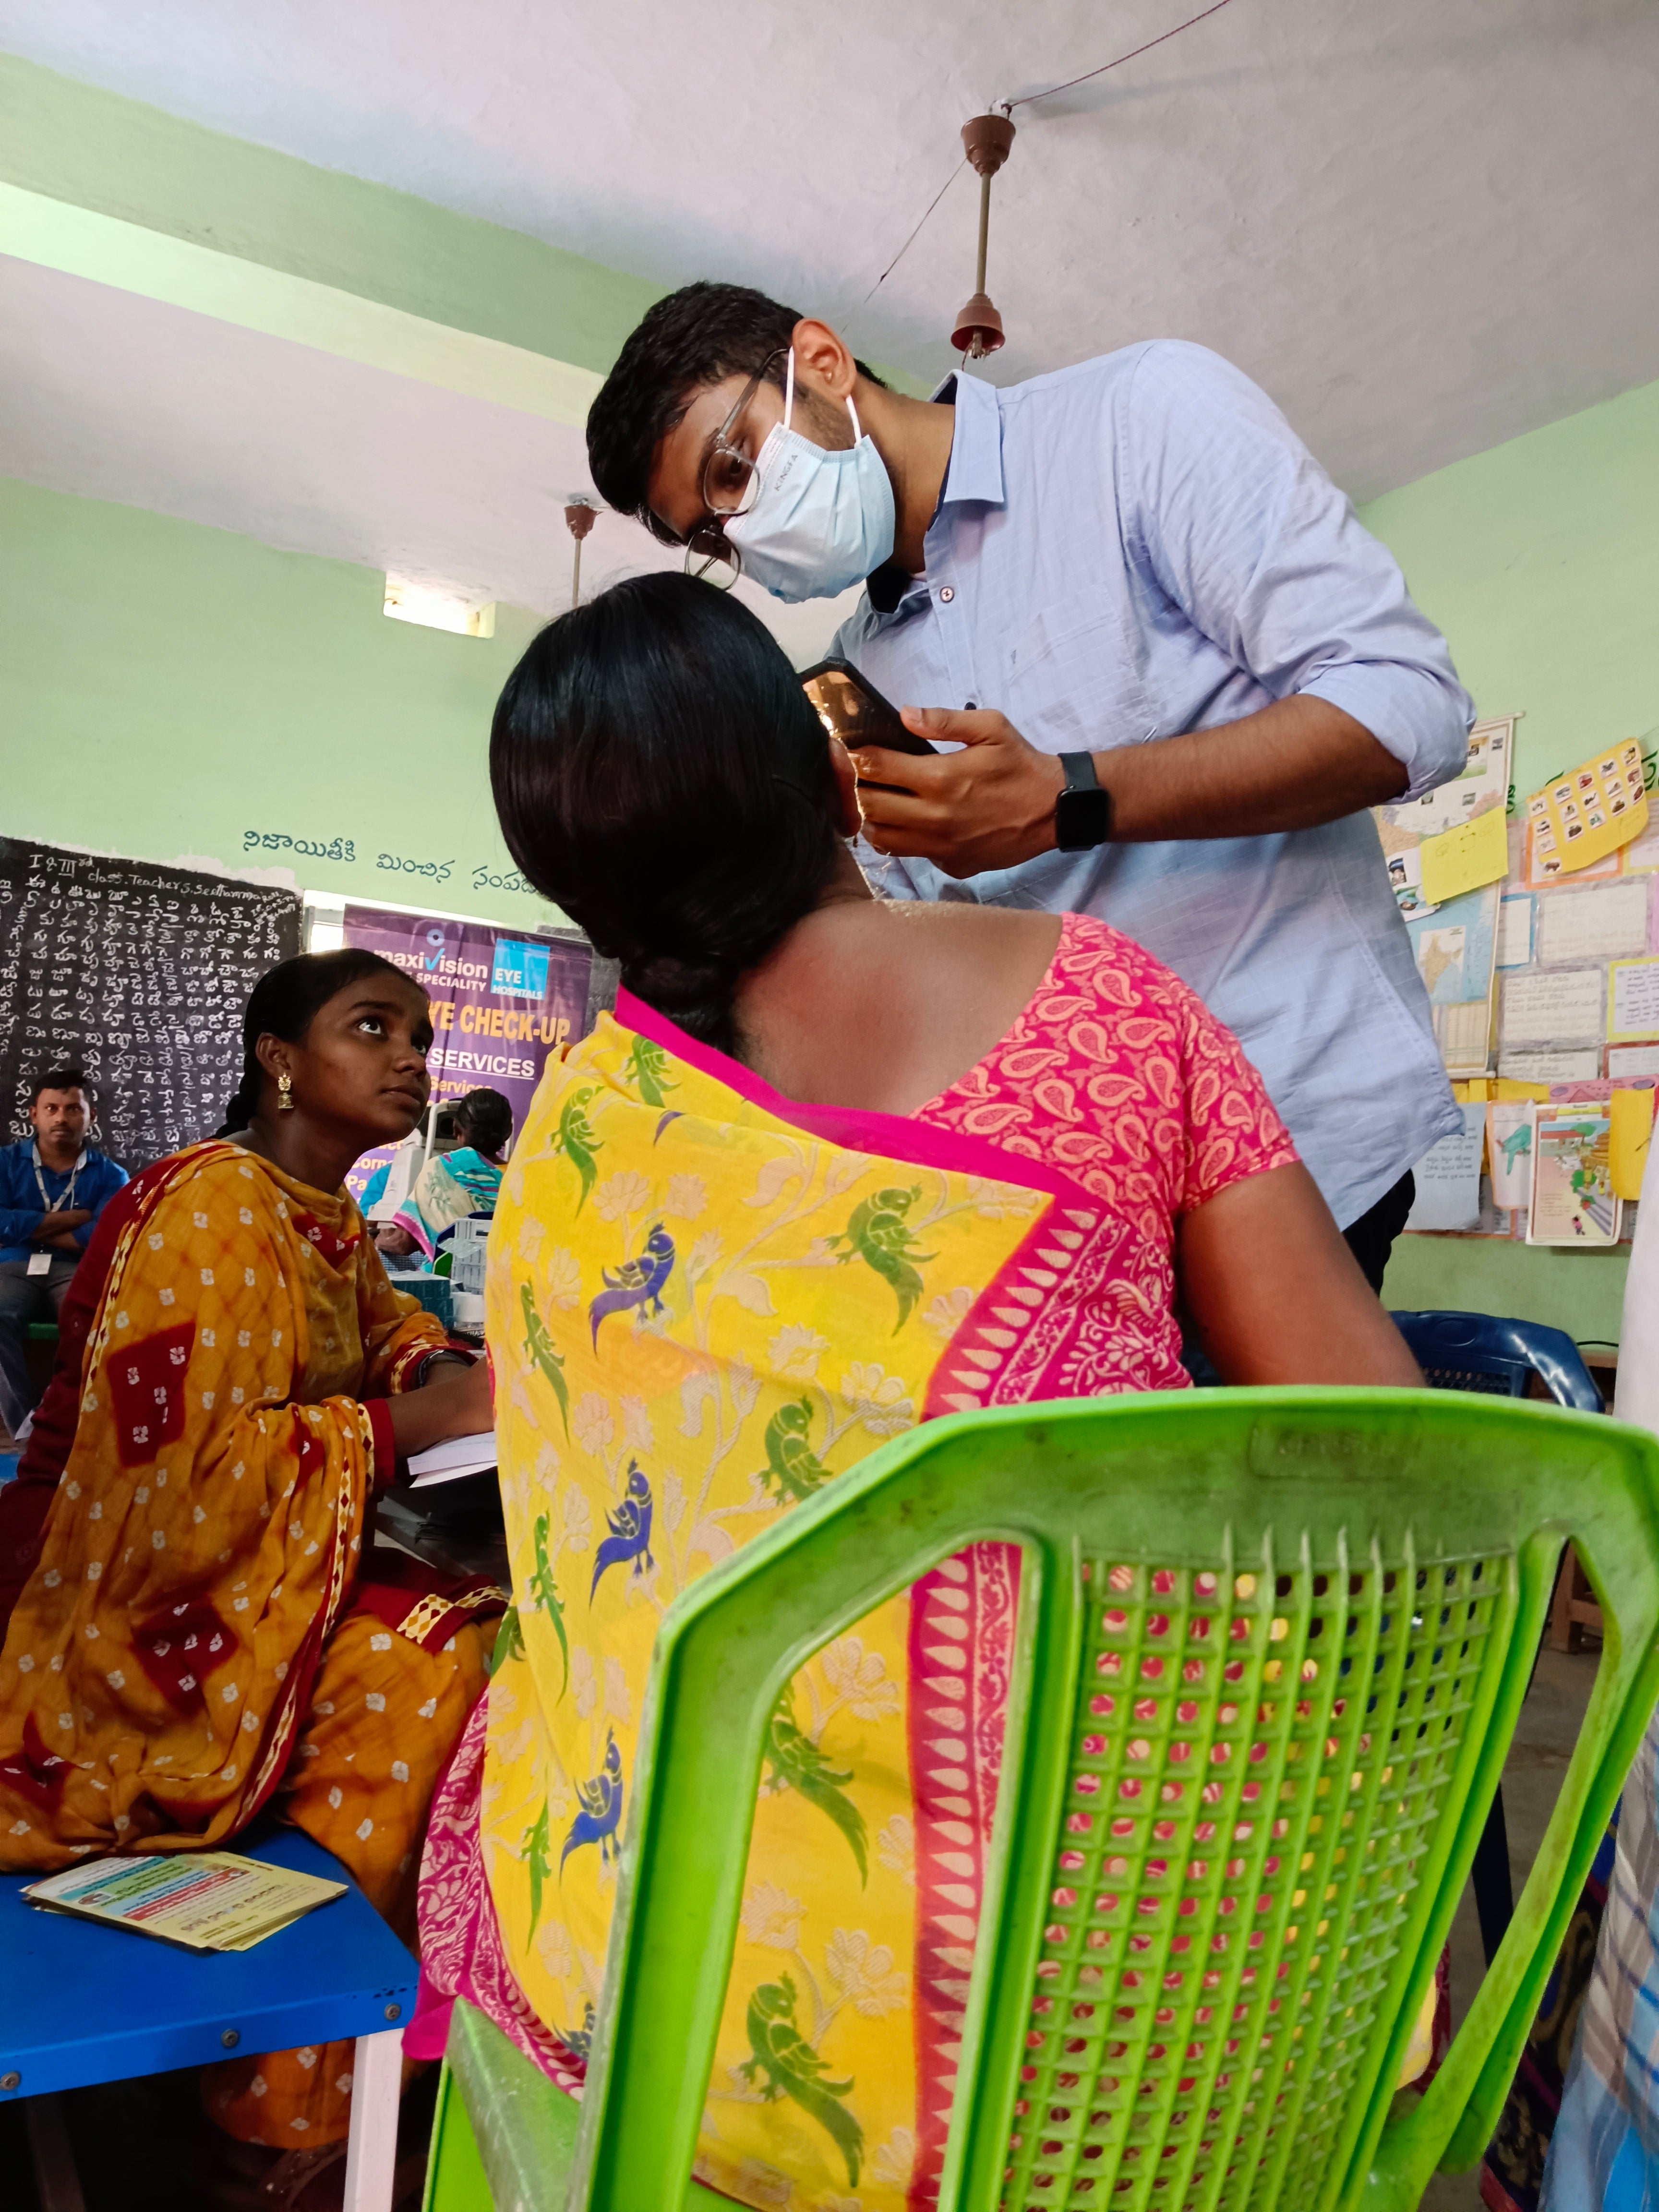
(1559, 1005)
(1447, 1177)
(1573, 1064)
(1625, 1061)
(1609, 922)
(449, 1462)
(1635, 1005)
(1510, 1124)
(1515, 913)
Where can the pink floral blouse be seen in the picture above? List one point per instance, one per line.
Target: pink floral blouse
(1121, 1078)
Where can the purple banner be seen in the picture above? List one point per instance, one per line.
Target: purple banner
(500, 1004)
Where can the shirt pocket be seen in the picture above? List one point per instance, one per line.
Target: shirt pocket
(1072, 682)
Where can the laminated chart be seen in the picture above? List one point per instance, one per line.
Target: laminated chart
(1455, 947)
(1590, 812)
(1572, 1193)
(1431, 845)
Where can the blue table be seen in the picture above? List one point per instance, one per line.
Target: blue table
(83, 2004)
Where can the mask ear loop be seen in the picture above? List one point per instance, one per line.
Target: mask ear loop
(789, 401)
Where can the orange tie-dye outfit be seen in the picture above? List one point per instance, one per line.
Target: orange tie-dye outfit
(197, 1637)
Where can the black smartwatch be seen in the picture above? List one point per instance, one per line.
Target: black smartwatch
(1083, 812)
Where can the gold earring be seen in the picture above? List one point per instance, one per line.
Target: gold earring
(285, 1093)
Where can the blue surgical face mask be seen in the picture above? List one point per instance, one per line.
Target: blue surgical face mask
(821, 522)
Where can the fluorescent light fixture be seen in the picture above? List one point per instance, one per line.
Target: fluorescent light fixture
(436, 610)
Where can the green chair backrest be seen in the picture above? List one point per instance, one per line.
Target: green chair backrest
(1271, 1649)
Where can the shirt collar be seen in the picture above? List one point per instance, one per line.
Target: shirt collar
(74, 1167)
(975, 469)
(974, 472)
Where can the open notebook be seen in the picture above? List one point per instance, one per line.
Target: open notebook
(448, 1463)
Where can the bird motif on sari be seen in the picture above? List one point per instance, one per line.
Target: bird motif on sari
(580, 2040)
(793, 2069)
(576, 1140)
(601, 1801)
(877, 1234)
(637, 1284)
(797, 1763)
(631, 1530)
(791, 1463)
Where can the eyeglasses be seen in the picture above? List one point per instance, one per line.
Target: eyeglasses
(731, 482)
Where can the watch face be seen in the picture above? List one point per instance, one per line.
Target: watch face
(1083, 819)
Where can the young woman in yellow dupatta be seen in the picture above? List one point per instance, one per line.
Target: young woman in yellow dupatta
(203, 1629)
(833, 1168)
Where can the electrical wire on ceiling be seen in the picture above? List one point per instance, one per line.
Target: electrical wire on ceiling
(1007, 106)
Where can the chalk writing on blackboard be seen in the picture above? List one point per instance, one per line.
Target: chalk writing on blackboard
(138, 974)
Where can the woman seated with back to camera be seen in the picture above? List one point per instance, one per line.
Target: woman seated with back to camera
(200, 1627)
(835, 1166)
(459, 1183)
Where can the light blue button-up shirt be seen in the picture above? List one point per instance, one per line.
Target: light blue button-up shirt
(1141, 545)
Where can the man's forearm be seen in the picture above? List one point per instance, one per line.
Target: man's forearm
(1289, 766)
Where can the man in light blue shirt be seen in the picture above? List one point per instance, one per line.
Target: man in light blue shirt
(1127, 577)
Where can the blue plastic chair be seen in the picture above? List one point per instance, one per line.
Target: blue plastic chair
(1496, 1357)
(85, 2004)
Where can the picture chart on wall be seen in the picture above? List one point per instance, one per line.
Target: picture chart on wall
(1544, 984)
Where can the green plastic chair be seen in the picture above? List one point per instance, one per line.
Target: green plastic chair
(1272, 1646)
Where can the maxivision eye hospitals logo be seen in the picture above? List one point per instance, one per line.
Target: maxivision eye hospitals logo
(521, 969)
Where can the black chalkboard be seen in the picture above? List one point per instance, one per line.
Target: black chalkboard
(138, 974)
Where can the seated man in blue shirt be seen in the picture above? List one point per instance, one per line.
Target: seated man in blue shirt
(1175, 672)
(53, 1186)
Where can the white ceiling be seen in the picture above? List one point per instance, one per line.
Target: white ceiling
(1425, 227)
(117, 397)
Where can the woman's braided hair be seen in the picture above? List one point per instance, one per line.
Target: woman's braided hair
(283, 1003)
(660, 774)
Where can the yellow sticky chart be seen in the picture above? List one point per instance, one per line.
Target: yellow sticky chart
(1588, 813)
(1463, 859)
(1631, 1116)
(1508, 1091)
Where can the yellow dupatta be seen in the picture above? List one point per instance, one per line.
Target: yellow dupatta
(205, 1536)
(699, 1310)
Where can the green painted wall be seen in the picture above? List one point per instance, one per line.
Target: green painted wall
(167, 690)
(97, 150)
(1540, 560)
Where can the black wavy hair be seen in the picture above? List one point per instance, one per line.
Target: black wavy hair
(483, 1119)
(660, 774)
(283, 1003)
(696, 337)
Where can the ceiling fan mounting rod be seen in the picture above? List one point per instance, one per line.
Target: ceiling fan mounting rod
(987, 139)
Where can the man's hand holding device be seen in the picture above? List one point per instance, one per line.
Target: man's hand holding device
(997, 802)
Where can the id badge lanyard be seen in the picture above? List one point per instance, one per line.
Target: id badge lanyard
(40, 1261)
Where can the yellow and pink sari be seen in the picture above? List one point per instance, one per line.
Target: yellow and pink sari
(704, 1303)
(196, 1639)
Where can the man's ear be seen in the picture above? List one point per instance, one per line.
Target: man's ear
(848, 814)
(822, 362)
